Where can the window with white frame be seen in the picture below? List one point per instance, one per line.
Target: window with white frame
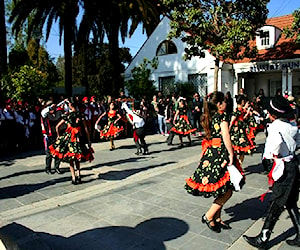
(264, 38)
(166, 47)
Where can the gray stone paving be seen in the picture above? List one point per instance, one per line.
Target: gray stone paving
(127, 202)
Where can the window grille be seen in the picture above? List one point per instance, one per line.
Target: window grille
(167, 85)
(200, 83)
(265, 38)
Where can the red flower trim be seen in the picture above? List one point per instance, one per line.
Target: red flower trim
(243, 149)
(111, 132)
(87, 157)
(183, 133)
(210, 187)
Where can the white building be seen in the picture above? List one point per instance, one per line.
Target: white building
(277, 65)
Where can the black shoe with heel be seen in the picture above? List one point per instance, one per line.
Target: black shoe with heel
(78, 180)
(223, 225)
(58, 171)
(214, 228)
(47, 171)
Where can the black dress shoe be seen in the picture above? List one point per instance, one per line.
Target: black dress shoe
(256, 241)
(295, 242)
(223, 225)
(58, 171)
(74, 182)
(78, 180)
(214, 228)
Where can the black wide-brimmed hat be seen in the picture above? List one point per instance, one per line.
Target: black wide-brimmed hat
(279, 106)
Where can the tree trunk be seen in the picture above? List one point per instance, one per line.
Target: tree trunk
(216, 74)
(68, 58)
(3, 48)
(85, 71)
(115, 58)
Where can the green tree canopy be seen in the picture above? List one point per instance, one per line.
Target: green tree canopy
(294, 30)
(140, 85)
(224, 28)
(26, 84)
(93, 63)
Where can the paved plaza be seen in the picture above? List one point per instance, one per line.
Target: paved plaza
(127, 202)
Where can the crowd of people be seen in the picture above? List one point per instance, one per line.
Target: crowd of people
(68, 127)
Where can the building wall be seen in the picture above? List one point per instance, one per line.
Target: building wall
(267, 75)
(173, 64)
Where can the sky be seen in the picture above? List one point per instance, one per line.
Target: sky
(276, 8)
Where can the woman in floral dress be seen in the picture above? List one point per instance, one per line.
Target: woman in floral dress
(251, 122)
(111, 130)
(182, 126)
(70, 147)
(211, 178)
(240, 131)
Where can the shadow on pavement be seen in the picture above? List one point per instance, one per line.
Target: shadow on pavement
(123, 174)
(252, 209)
(9, 159)
(282, 237)
(259, 148)
(258, 168)
(23, 189)
(22, 173)
(114, 163)
(149, 234)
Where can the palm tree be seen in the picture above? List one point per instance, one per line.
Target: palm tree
(3, 48)
(112, 18)
(40, 12)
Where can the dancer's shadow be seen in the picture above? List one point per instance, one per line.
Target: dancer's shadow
(36, 171)
(10, 159)
(259, 148)
(119, 162)
(123, 174)
(257, 168)
(286, 234)
(175, 147)
(126, 147)
(23, 189)
(149, 234)
(249, 209)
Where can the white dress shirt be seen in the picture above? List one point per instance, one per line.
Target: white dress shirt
(283, 138)
(137, 121)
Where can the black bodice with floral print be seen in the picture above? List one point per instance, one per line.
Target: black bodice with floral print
(70, 145)
(183, 126)
(211, 177)
(240, 134)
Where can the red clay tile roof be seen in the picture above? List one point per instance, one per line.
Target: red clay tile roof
(284, 48)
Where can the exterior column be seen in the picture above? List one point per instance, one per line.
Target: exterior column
(290, 80)
(243, 82)
(283, 81)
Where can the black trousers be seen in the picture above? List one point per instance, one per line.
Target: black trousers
(285, 193)
(47, 142)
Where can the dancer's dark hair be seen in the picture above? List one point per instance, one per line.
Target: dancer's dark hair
(210, 108)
